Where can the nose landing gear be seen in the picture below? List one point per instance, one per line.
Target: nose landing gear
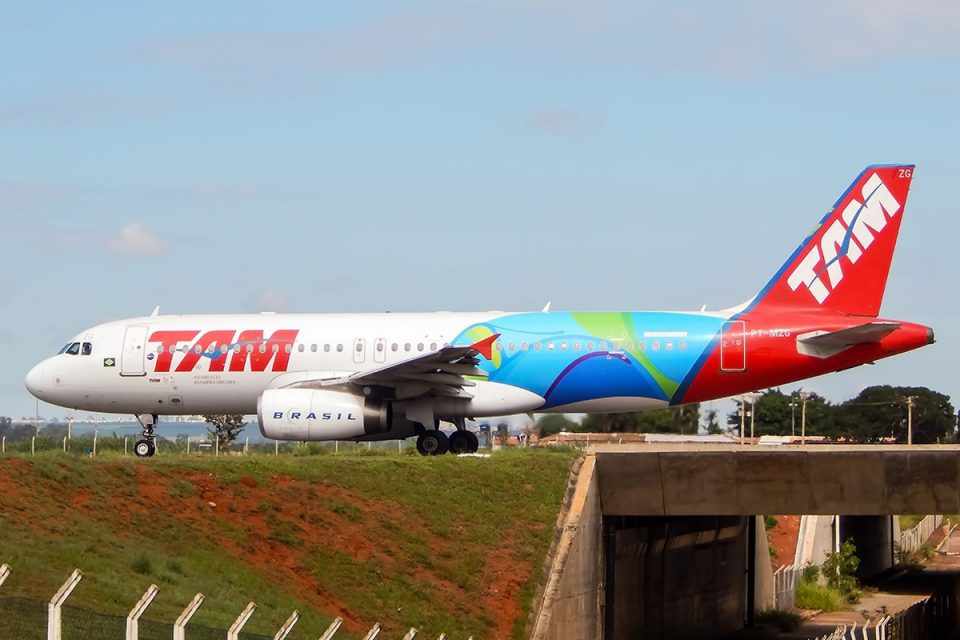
(146, 447)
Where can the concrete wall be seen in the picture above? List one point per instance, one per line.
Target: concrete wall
(731, 480)
(571, 606)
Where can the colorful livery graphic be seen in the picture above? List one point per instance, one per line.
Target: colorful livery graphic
(385, 376)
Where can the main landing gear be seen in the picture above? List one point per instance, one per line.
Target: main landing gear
(146, 447)
(433, 442)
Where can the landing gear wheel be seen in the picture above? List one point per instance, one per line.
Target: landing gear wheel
(144, 448)
(474, 444)
(433, 443)
(460, 442)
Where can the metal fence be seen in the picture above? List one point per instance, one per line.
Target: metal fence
(785, 581)
(26, 619)
(925, 619)
(912, 539)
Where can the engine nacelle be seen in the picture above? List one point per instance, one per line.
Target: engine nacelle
(320, 414)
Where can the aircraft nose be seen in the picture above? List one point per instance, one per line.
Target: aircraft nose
(36, 381)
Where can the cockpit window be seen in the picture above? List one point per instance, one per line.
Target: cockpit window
(86, 349)
(73, 349)
(64, 350)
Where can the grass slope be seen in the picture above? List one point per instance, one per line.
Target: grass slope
(442, 544)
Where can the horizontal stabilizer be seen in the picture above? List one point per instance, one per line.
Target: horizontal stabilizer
(823, 344)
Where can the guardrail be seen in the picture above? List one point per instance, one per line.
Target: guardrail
(914, 538)
(56, 605)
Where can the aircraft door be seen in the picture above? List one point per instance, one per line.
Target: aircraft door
(359, 350)
(132, 356)
(733, 346)
(380, 350)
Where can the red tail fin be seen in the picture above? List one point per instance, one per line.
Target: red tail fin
(843, 265)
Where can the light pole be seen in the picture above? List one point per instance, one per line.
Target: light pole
(910, 419)
(743, 408)
(804, 396)
(793, 418)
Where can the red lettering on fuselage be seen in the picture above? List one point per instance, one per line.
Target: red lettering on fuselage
(168, 342)
(260, 352)
(218, 359)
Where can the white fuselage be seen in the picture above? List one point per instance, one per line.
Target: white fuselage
(126, 370)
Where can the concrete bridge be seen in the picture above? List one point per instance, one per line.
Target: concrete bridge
(663, 540)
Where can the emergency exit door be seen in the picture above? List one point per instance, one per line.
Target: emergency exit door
(733, 346)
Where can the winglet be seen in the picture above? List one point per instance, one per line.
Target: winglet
(485, 347)
(546, 308)
(155, 312)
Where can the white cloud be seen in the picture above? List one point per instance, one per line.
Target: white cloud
(564, 123)
(272, 300)
(136, 239)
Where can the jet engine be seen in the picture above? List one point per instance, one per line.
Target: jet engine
(320, 414)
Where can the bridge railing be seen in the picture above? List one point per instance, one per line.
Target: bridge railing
(785, 580)
(912, 539)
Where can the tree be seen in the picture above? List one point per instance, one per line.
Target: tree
(712, 425)
(684, 420)
(555, 423)
(773, 415)
(880, 412)
(227, 427)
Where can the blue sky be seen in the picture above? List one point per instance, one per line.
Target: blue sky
(228, 157)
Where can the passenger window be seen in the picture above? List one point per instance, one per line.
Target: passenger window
(359, 347)
(537, 346)
(326, 348)
(300, 347)
(286, 347)
(379, 346)
(563, 346)
(313, 348)
(87, 349)
(419, 346)
(433, 346)
(394, 346)
(406, 347)
(74, 349)
(339, 347)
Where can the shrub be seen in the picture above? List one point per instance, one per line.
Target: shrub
(785, 621)
(811, 595)
(142, 565)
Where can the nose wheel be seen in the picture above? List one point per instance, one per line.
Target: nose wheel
(146, 447)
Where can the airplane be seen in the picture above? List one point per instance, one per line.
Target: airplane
(386, 376)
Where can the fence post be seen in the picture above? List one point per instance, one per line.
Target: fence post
(180, 626)
(410, 634)
(124, 445)
(287, 626)
(246, 445)
(4, 573)
(133, 618)
(53, 608)
(33, 445)
(276, 447)
(332, 629)
(234, 632)
(3, 445)
(442, 636)
(64, 444)
(188, 445)
(96, 432)
(373, 633)
(216, 447)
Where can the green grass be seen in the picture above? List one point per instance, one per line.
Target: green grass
(811, 595)
(401, 540)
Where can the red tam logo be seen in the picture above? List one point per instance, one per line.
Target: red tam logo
(250, 347)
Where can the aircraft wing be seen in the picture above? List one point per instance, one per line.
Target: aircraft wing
(823, 344)
(442, 372)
